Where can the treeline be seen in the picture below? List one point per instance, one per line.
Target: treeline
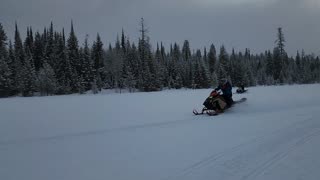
(50, 63)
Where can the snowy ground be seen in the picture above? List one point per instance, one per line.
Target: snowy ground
(274, 135)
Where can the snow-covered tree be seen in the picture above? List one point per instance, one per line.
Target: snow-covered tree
(87, 70)
(5, 72)
(97, 55)
(223, 63)
(47, 82)
(74, 60)
(51, 60)
(212, 59)
(148, 70)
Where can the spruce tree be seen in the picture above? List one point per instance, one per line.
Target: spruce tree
(63, 69)
(97, 56)
(73, 57)
(143, 54)
(29, 74)
(198, 78)
(277, 64)
(123, 42)
(12, 66)
(223, 63)
(38, 52)
(206, 80)
(160, 66)
(232, 67)
(176, 68)
(118, 64)
(186, 64)
(298, 69)
(269, 64)
(47, 83)
(19, 63)
(280, 43)
(5, 71)
(5, 80)
(29, 42)
(279, 57)
(205, 56)
(148, 70)
(86, 66)
(109, 69)
(186, 52)
(134, 65)
(212, 65)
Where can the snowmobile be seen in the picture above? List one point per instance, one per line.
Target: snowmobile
(215, 104)
(240, 90)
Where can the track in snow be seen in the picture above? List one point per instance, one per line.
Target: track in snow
(250, 159)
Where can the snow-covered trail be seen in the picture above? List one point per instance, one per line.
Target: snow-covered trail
(155, 136)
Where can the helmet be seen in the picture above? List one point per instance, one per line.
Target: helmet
(223, 81)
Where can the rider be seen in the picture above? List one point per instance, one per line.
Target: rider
(226, 89)
(241, 88)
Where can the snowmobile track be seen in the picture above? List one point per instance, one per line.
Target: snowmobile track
(251, 158)
(94, 132)
(279, 156)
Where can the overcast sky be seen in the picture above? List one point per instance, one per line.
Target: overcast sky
(237, 24)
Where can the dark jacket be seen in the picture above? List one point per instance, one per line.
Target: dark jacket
(226, 89)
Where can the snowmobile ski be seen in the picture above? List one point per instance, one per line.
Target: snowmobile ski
(212, 113)
(195, 112)
(205, 112)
